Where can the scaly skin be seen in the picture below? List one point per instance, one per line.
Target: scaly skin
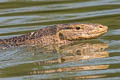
(62, 33)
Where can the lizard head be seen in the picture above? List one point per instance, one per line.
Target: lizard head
(80, 31)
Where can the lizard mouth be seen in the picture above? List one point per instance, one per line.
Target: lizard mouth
(100, 32)
(97, 34)
(79, 36)
(88, 35)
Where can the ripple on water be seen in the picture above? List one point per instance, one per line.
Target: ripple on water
(95, 59)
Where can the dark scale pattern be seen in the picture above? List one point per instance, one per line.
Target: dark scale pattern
(20, 40)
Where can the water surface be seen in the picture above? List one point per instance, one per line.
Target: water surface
(91, 59)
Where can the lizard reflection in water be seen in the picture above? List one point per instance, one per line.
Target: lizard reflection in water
(69, 53)
(75, 53)
(72, 52)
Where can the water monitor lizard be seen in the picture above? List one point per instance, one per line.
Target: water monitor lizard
(61, 33)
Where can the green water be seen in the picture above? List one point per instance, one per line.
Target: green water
(97, 59)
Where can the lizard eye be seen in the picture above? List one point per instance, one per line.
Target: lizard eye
(77, 28)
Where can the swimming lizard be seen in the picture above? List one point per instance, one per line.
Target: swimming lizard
(57, 34)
